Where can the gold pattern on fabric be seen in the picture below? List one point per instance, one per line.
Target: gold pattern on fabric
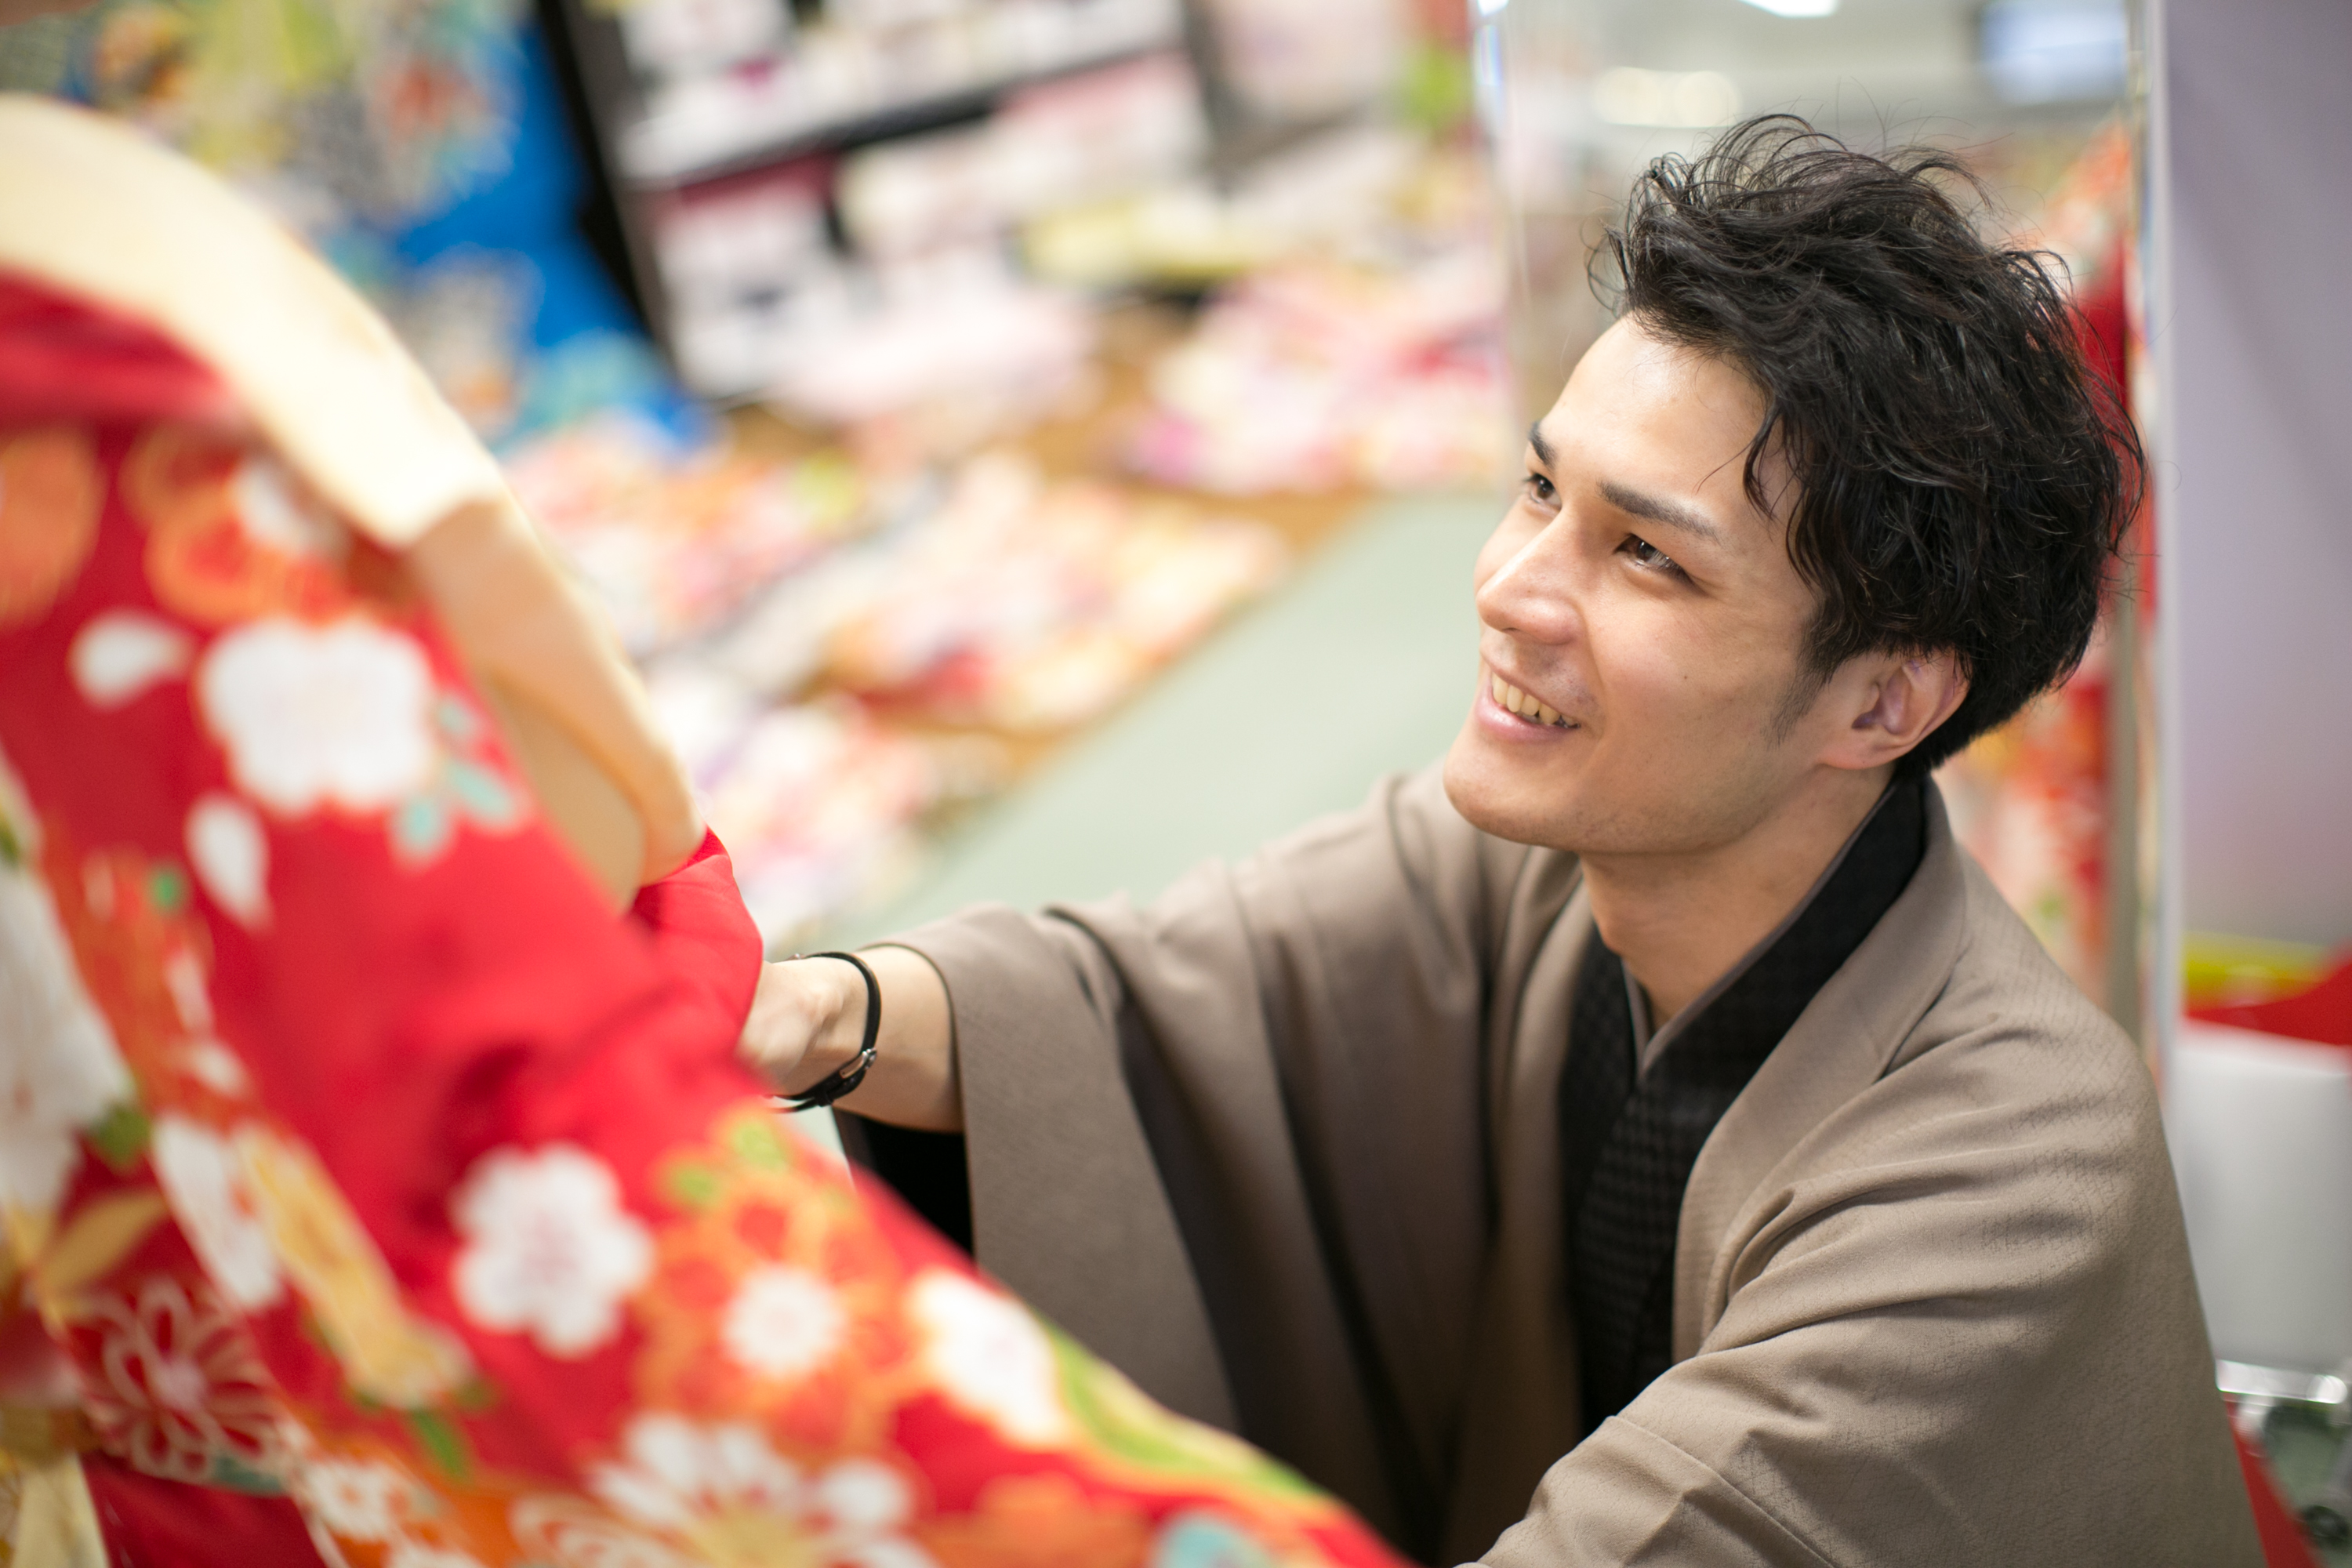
(54, 1525)
(387, 1354)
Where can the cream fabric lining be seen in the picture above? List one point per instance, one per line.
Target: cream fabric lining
(56, 1524)
(91, 207)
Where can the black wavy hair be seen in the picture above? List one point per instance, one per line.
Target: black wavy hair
(1963, 477)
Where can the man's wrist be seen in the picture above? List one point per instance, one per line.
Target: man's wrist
(806, 1022)
(844, 1028)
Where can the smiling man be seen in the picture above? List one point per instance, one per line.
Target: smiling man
(1649, 1139)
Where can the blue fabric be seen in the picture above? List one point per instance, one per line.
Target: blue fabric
(458, 216)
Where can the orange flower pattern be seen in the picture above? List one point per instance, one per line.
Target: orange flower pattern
(773, 1295)
(231, 535)
(1041, 1521)
(48, 516)
(148, 963)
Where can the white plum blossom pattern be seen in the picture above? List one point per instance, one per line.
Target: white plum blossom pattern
(358, 1499)
(858, 1506)
(231, 856)
(315, 716)
(121, 654)
(59, 1069)
(416, 1554)
(215, 1066)
(567, 1532)
(677, 1472)
(990, 1357)
(548, 1248)
(726, 1492)
(784, 1322)
(204, 1176)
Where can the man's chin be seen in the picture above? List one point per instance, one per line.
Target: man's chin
(1496, 796)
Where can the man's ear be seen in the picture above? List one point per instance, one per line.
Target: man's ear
(1896, 703)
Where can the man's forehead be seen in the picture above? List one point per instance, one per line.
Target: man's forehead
(1662, 432)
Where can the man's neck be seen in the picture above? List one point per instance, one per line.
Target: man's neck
(1680, 922)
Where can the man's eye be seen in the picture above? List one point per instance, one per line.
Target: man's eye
(1648, 555)
(1539, 488)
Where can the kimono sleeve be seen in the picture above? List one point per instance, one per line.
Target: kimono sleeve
(1183, 1121)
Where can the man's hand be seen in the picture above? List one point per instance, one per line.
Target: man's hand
(806, 1019)
(809, 1015)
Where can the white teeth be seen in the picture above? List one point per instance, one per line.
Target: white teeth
(1512, 700)
(1523, 704)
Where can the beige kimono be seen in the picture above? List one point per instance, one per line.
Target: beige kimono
(1284, 1145)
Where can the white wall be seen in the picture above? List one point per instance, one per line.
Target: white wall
(2252, 321)
(2250, 316)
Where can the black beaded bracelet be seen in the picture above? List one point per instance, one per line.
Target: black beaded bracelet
(850, 1074)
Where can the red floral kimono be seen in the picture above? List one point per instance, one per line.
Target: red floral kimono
(390, 1199)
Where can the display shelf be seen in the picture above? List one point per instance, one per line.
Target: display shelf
(1084, 445)
(762, 119)
(658, 139)
(944, 754)
(1127, 805)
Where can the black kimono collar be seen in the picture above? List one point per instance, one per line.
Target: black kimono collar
(1649, 1044)
(1629, 1137)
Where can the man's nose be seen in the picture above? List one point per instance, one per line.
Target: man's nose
(1535, 593)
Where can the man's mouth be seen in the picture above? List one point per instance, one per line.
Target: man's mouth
(1511, 700)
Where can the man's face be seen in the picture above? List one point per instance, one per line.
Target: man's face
(1638, 596)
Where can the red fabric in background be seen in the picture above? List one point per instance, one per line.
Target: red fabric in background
(2322, 1015)
(2283, 1545)
(2102, 326)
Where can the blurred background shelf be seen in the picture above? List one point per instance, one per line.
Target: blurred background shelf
(915, 381)
(712, 89)
(656, 158)
(1359, 669)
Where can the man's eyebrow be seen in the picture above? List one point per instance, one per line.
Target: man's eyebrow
(1544, 453)
(1657, 509)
